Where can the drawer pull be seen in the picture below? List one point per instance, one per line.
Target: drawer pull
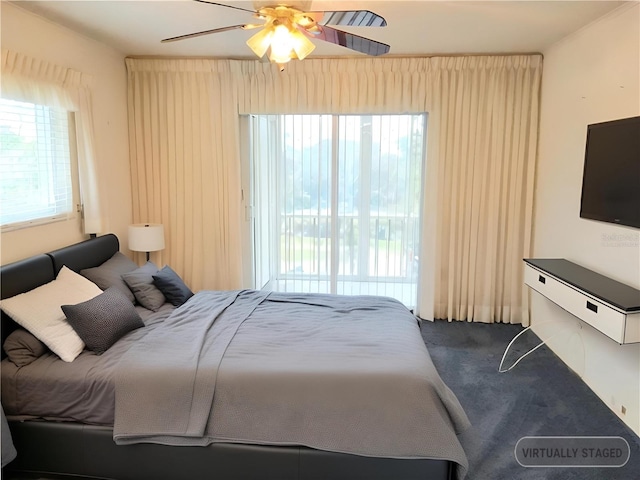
(541, 279)
(592, 306)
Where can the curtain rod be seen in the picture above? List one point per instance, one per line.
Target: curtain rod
(431, 55)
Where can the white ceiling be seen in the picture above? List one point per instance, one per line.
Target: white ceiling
(414, 27)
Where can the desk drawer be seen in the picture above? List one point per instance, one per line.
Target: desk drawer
(602, 317)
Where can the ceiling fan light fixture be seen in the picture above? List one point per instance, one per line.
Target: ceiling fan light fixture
(261, 41)
(282, 41)
(282, 44)
(301, 44)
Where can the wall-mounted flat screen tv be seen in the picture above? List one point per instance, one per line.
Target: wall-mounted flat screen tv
(611, 179)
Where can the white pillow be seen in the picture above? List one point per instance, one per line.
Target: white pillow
(39, 311)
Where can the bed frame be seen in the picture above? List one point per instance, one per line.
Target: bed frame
(54, 448)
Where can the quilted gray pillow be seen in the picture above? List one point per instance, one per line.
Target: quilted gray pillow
(140, 281)
(103, 320)
(109, 274)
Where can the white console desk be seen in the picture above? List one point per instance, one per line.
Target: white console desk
(610, 307)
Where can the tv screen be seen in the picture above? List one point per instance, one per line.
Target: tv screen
(611, 179)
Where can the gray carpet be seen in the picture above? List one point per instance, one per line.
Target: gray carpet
(540, 396)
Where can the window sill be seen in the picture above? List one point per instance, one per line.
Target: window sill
(10, 227)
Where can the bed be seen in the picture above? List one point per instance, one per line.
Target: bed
(286, 417)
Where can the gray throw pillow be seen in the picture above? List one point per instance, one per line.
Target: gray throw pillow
(172, 286)
(103, 320)
(140, 281)
(22, 347)
(109, 274)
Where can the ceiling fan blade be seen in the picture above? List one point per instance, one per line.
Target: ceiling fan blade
(349, 18)
(225, 5)
(349, 40)
(207, 32)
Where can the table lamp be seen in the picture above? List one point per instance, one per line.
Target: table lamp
(146, 237)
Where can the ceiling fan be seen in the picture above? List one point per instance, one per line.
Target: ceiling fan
(286, 31)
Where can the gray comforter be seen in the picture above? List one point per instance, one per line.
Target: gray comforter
(80, 391)
(343, 374)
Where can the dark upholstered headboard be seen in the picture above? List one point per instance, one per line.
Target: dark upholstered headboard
(32, 272)
(87, 254)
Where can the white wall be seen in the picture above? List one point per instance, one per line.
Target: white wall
(589, 77)
(27, 33)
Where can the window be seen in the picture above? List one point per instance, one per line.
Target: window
(38, 179)
(336, 201)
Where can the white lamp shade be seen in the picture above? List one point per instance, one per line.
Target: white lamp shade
(146, 237)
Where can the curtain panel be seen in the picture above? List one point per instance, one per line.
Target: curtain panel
(478, 186)
(185, 165)
(32, 80)
(485, 119)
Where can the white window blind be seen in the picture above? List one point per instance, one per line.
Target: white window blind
(337, 203)
(36, 168)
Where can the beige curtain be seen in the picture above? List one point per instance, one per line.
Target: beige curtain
(482, 130)
(185, 168)
(485, 118)
(33, 80)
(333, 86)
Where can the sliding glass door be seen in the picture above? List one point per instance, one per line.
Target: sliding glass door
(336, 203)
